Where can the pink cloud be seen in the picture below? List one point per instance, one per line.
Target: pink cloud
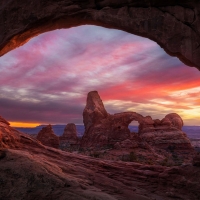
(61, 67)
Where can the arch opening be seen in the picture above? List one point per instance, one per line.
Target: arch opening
(134, 127)
(123, 71)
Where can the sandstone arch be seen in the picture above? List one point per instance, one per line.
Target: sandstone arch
(174, 25)
(102, 128)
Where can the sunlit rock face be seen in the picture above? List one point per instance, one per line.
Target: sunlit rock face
(174, 25)
(47, 137)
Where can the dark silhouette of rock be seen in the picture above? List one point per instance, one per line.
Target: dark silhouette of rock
(174, 25)
(47, 137)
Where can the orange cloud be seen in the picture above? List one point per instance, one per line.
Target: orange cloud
(24, 124)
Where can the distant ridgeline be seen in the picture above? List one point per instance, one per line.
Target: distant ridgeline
(191, 131)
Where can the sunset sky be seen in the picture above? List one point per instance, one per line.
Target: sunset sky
(47, 80)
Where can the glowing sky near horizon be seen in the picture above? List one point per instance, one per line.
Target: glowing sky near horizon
(47, 79)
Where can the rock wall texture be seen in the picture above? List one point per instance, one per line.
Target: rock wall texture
(30, 170)
(174, 25)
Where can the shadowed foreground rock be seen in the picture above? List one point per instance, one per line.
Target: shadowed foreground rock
(47, 137)
(29, 170)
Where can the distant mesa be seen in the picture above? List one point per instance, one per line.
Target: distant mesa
(47, 137)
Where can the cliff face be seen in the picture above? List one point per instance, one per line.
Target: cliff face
(174, 25)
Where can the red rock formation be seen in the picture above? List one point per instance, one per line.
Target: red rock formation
(103, 129)
(70, 133)
(167, 134)
(33, 171)
(69, 140)
(94, 111)
(47, 137)
(156, 140)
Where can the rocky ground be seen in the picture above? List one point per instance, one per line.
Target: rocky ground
(30, 170)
